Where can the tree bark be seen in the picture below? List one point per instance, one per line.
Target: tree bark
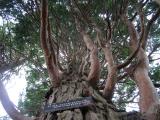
(111, 66)
(73, 87)
(93, 76)
(47, 46)
(148, 94)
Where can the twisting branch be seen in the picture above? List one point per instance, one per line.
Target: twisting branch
(48, 46)
(93, 76)
(112, 70)
(122, 76)
(133, 55)
(130, 58)
(140, 74)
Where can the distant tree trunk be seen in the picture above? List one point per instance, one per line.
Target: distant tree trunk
(9, 106)
(4, 98)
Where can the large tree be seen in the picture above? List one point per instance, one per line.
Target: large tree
(91, 48)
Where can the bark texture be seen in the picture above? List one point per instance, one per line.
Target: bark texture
(93, 76)
(47, 46)
(74, 87)
(111, 66)
(148, 94)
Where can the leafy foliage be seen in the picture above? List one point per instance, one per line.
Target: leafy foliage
(34, 93)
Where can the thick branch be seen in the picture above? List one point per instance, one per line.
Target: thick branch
(112, 70)
(94, 73)
(148, 94)
(44, 16)
(134, 36)
(47, 46)
(112, 74)
(50, 44)
(93, 76)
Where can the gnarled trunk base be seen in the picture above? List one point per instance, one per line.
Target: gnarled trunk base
(74, 87)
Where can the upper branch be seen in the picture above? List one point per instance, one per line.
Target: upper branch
(44, 19)
(131, 29)
(47, 45)
(112, 70)
(134, 34)
(94, 73)
(50, 44)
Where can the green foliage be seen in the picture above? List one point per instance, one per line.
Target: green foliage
(155, 73)
(34, 93)
(125, 93)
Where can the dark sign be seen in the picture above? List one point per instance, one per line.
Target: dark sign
(81, 102)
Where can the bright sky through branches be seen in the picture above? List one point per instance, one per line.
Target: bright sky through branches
(14, 87)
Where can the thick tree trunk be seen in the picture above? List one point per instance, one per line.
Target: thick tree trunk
(74, 87)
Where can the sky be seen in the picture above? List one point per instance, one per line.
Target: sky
(1, 20)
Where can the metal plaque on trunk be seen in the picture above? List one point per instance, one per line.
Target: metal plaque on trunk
(77, 103)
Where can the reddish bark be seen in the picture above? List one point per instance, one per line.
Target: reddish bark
(47, 46)
(111, 66)
(112, 73)
(148, 94)
(94, 73)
